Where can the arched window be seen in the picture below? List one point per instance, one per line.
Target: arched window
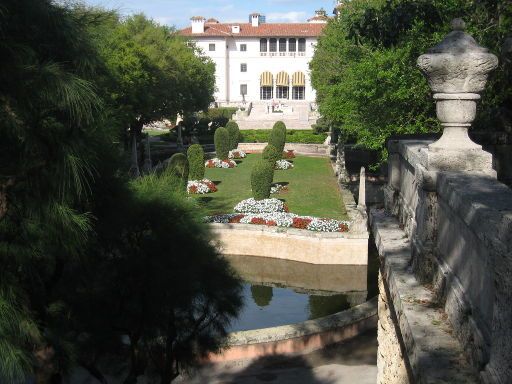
(302, 45)
(273, 45)
(263, 45)
(292, 45)
(282, 45)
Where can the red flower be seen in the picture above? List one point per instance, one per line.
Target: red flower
(343, 228)
(285, 208)
(300, 223)
(236, 219)
(258, 221)
(192, 189)
(271, 223)
(288, 154)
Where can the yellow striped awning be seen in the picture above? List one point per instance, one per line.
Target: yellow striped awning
(282, 79)
(266, 80)
(299, 79)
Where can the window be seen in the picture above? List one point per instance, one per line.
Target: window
(298, 93)
(243, 67)
(282, 92)
(243, 47)
(211, 47)
(282, 45)
(263, 45)
(273, 45)
(302, 45)
(243, 89)
(266, 93)
(292, 45)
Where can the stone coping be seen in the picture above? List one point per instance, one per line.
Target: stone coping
(299, 148)
(434, 354)
(290, 231)
(310, 327)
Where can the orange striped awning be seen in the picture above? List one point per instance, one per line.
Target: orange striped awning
(299, 79)
(282, 79)
(266, 79)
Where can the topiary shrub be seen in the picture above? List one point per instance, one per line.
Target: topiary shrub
(262, 176)
(277, 136)
(271, 154)
(178, 166)
(195, 155)
(221, 140)
(234, 134)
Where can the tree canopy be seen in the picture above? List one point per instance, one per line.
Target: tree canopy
(364, 68)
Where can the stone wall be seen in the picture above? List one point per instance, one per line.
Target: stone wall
(457, 242)
(301, 149)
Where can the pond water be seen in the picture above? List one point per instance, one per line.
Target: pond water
(279, 292)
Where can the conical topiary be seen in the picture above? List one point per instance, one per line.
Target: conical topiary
(195, 155)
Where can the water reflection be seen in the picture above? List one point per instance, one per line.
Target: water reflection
(279, 292)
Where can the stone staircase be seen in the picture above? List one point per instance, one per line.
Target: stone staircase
(296, 116)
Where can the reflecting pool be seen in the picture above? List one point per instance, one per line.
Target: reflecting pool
(279, 292)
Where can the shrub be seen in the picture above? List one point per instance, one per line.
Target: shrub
(195, 155)
(178, 166)
(277, 136)
(221, 140)
(271, 154)
(261, 179)
(234, 134)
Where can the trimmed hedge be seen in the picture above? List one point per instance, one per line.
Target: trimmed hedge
(262, 176)
(234, 134)
(221, 141)
(195, 155)
(271, 154)
(292, 136)
(178, 166)
(277, 136)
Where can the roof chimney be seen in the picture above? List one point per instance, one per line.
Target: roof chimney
(255, 19)
(198, 24)
(235, 29)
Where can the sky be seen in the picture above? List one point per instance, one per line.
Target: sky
(178, 12)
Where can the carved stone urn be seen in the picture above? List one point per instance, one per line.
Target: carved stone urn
(457, 71)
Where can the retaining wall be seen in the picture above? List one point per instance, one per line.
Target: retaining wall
(299, 338)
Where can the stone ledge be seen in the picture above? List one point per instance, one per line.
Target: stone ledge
(300, 338)
(433, 353)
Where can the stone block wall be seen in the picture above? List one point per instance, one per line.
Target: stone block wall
(458, 226)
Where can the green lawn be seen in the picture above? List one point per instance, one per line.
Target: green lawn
(312, 188)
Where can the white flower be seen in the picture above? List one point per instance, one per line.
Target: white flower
(218, 163)
(260, 206)
(201, 186)
(283, 164)
(236, 154)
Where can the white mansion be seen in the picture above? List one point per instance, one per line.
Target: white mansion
(258, 60)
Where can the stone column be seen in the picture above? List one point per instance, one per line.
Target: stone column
(147, 166)
(457, 70)
(361, 201)
(134, 168)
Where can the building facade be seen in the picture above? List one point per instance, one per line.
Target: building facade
(259, 61)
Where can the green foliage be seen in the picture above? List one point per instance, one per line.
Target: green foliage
(364, 68)
(221, 140)
(292, 136)
(271, 154)
(195, 155)
(262, 176)
(277, 136)
(261, 294)
(234, 134)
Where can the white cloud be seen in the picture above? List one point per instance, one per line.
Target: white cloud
(291, 17)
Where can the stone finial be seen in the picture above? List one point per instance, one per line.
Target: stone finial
(457, 69)
(361, 203)
(457, 64)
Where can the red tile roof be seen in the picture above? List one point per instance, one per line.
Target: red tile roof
(263, 30)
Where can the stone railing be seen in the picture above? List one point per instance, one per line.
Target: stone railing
(445, 240)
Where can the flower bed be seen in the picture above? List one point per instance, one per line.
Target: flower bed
(283, 164)
(237, 154)
(289, 154)
(261, 206)
(201, 186)
(277, 188)
(218, 163)
(282, 219)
